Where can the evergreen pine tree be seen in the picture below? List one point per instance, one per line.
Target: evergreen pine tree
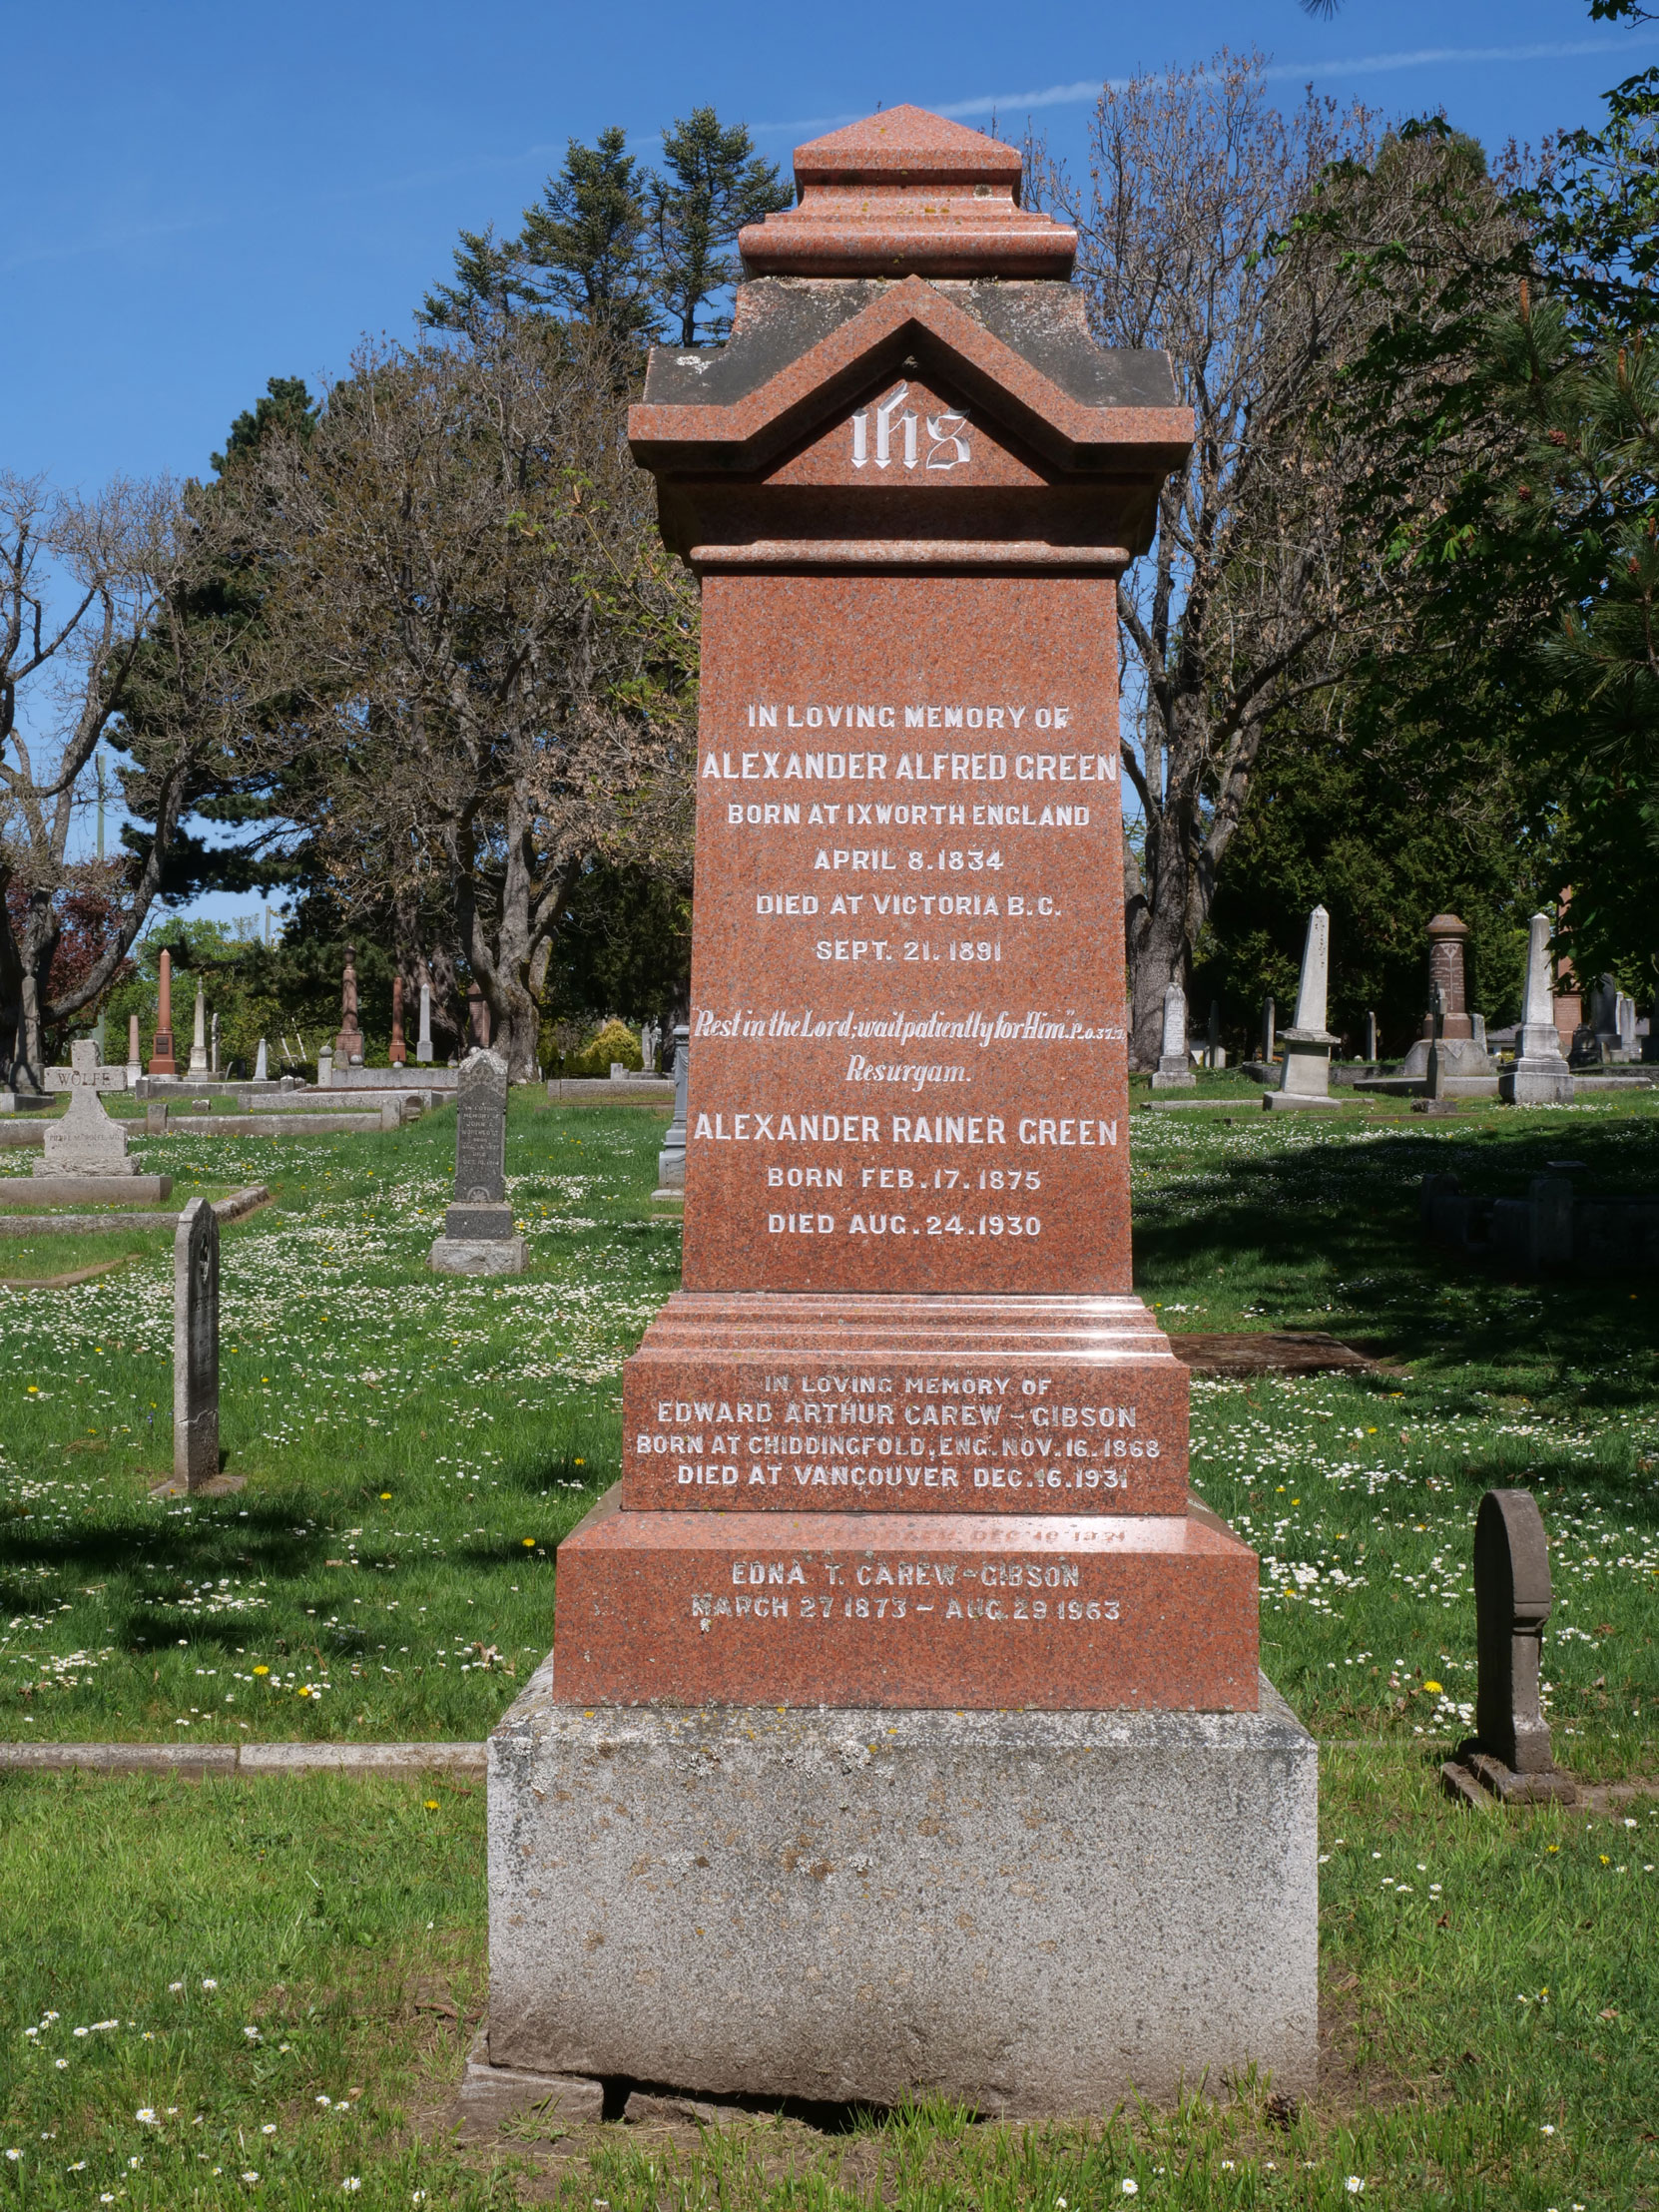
(716, 182)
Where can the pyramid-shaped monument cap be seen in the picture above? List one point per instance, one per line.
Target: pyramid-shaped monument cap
(907, 194)
(908, 144)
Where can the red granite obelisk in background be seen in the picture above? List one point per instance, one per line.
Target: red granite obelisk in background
(162, 1061)
(906, 1439)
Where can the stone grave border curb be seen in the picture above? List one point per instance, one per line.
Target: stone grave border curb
(356, 1760)
(235, 1208)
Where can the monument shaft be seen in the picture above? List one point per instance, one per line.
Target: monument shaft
(908, 1067)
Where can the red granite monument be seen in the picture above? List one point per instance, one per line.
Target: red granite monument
(903, 1582)
(907, 1295)
(161, 1060)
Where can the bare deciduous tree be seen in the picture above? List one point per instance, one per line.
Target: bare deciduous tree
(492, 650)
(97, 611)
(1257, 597)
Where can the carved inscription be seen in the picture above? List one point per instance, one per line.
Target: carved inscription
(898, 439)
(1034, 1592)
(481, 1129)
(892, 1442)
(908, 840)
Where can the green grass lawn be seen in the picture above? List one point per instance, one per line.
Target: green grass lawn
(416, 1445)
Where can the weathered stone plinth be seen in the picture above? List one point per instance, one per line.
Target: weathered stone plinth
(1032, 1913)
(1304, 1076)
(1546, 1082)
(1540, 1075)
(481, 1256)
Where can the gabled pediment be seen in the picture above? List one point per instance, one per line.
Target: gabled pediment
(909, 329)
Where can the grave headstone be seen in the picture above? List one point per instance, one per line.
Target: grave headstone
(1448, 1020)
(1370, 1054)
(212, 1045)
(907, 1266)
(135, 1067)
(1510, 1753)
(423, 1043)
(1540, 1075)
(478, 1017)
(324, 1072)
(199, 1036)
(196, 1347)
(478, 1235)
(671, 1160)
(85, 1141)
(1174, 1070)
(399, 1051)
(261, 1064)
(162, 1061)
(1305, 1079)
(349, 1040)
(1268, 1039)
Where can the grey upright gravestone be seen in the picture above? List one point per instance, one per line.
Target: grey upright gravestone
(196, 1348)
(1510, 1753)
(478, 1236)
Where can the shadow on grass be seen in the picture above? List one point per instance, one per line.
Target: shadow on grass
(266, 1547)
(1328, 1236)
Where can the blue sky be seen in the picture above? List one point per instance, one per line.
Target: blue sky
(200, 198)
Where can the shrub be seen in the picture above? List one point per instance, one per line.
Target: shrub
(616, 1041)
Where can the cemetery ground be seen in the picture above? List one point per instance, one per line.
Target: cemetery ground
(206, 1982)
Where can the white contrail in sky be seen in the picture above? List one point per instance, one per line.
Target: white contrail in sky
(1357, 65)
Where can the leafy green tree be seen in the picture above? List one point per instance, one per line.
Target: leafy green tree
(625, 946)
(285, 407)
(1385, 823)
(1535, 567)
(226, 597)
(715, 184)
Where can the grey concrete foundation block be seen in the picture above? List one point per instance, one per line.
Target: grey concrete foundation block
(490, 2094)
(495, 1256)
(1036, 1913)
(1281, 1102)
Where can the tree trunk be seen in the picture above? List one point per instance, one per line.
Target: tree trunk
(11, 988)
(35, 951)
(448, 999)
(1160, 958)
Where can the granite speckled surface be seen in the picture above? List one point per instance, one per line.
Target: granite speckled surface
(1081, 1613)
